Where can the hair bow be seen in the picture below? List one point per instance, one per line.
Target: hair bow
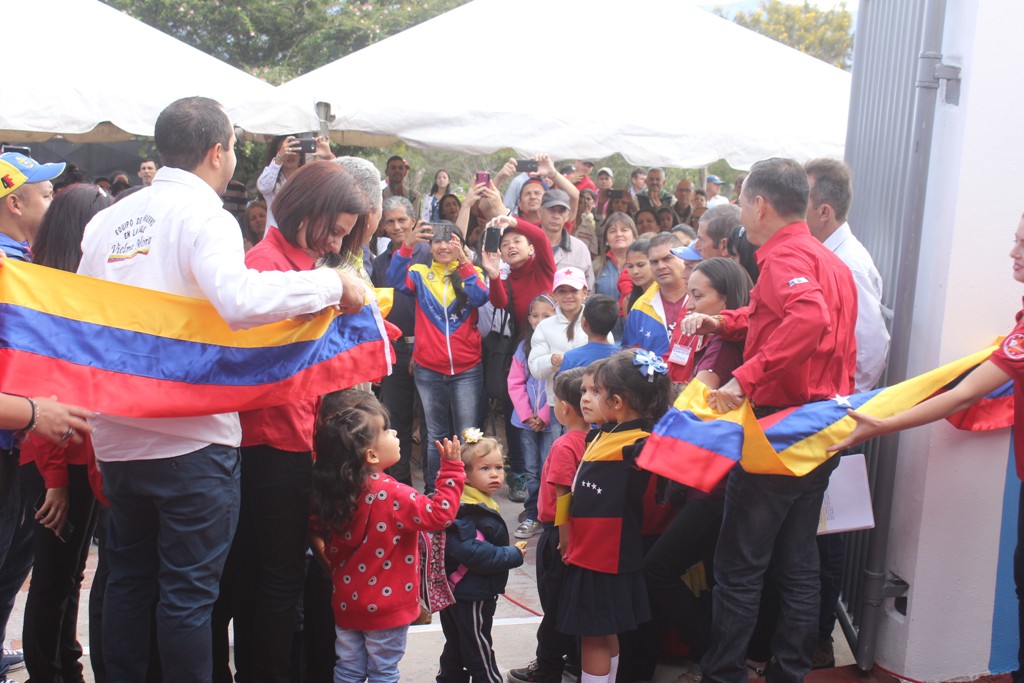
(472, 435)
(650, 363)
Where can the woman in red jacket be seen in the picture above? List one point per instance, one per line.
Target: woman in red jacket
(313, 213)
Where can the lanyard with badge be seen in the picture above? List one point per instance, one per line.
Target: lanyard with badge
(683, 354)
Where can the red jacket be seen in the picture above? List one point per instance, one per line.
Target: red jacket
(529, 280)
(798, 329)
(52, 462)
(375, 563)
(286, 427)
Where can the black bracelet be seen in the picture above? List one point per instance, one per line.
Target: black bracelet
(32, 421)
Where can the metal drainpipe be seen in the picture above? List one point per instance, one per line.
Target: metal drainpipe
(913, 219)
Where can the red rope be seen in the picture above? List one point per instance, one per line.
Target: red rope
(531, 611)
(896, 675)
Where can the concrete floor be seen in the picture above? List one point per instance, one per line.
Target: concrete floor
(514, 630)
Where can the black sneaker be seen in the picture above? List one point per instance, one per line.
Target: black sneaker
(517, 488)
(14, 659)
(824, 656)
(532, 673)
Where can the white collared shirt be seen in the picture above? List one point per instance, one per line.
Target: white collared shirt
(182, 241)
(871, 331)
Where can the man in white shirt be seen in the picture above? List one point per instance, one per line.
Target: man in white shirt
(713, 187)
(831, 195)
(173, 483)
(830, 200)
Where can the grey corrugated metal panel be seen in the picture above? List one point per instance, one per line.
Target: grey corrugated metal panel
(881, 111)
(878, 149)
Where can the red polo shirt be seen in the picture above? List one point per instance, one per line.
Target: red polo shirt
(799, 325)
(287, 427)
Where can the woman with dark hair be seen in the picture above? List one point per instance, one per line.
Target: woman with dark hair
(449, 208)
(447, 357)
(666, 218)
(262, 582)
(281, 161)
(65, 479)
(743, 252)
(637, 267)
(58, 243)
(647, 222)
(714, 286)
(622, 202)
(438, 191)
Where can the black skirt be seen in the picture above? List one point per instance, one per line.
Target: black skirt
(599, 604)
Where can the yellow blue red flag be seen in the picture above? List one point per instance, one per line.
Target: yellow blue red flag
(694, 445)
(136, 352)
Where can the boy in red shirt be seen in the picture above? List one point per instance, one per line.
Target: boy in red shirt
(555, 481)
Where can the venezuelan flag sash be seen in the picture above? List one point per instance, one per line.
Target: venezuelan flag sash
(128, 351)
(696, 446)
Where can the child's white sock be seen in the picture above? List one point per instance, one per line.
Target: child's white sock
(593, 678)
(614, 669)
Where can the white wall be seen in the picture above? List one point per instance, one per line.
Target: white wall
(947, 510)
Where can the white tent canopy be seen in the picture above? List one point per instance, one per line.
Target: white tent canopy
(661, 82)
(102, 76)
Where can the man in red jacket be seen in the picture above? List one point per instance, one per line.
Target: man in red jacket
(799, 347)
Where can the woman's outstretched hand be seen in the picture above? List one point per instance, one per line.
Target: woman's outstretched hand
(868, 427)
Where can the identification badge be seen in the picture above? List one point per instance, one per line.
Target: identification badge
(680, 354)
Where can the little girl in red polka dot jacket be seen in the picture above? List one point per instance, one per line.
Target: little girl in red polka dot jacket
(364, 532)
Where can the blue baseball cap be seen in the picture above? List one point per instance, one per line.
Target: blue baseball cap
(17, 170)
(687, 253)
(714, 179)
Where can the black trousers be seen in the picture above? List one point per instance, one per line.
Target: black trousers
(690, 538)
(52, 650)
(468, 653)
(552, 644)
(398, 394)
(262, 582)
(318, 626)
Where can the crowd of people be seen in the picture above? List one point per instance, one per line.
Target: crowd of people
(573, 309)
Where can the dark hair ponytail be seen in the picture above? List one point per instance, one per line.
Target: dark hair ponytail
(339, 473)
(619, 375)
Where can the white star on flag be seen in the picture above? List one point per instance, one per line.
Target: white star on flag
(842, 401)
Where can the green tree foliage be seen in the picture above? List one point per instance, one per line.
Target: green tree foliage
(825, 34)
(278, 40)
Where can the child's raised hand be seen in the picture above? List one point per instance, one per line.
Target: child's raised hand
(451, 449)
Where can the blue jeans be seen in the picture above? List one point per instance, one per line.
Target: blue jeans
(449, 401)
(370, 656)
(171, 525)
(768, 519)
(16, 545)
(535, 447)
